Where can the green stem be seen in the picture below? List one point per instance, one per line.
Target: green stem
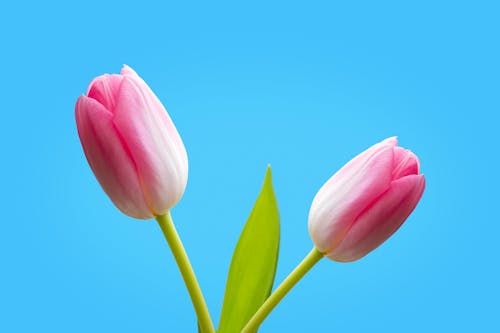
(298, 273)
(173, 240)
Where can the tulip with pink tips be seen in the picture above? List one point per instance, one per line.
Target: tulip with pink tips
(132, 145)
(366, 201)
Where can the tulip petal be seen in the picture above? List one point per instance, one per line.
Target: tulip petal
(127, 70)
(108, 159)
(155, 105)
(153, 141)
(381, 220)
(353, 165)
(348, 192)
(405, 163)
(104, 89)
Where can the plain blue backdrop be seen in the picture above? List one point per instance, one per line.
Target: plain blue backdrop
(303, 86)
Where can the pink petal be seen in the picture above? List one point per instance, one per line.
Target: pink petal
(155, 105)
(126, 70)
(405, 163)
(358, 160)
(105, 89)
(161, 162)
(381, 220)
(108, 159)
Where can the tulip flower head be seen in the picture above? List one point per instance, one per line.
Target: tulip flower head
(131, 144)
(366, 201)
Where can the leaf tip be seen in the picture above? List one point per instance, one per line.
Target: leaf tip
(268, 179)
(268, 173)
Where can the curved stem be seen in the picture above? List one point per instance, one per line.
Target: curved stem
(174, 241)
(298, 273)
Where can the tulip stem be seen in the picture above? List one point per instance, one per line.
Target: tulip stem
(175, 243)
(298, 273)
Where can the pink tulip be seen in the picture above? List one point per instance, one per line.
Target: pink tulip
(132, 144)
(366, 201)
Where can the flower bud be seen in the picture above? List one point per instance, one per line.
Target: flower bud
(131, 144)
(366, 201)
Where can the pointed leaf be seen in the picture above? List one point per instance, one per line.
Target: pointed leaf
(253, 266)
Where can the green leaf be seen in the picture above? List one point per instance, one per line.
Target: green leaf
(253, 267)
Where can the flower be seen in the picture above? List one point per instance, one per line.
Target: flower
(131, 144)
(366, 201)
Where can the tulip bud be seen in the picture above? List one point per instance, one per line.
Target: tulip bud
(131, 144)
(366, 201)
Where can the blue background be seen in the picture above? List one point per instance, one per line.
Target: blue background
(303, 86)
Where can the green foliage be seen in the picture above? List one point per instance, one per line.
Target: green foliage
(253, 266)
